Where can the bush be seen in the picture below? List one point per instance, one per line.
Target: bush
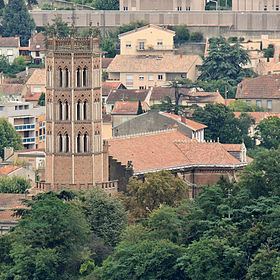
(182, 33)
(232, 39)
(47, 6)
(196, 36)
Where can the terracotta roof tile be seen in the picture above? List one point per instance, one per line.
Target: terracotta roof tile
(127, 95)
(258, 116)
(153, 63)
(38, 77)
(192, 124)
(108, 86)
(11, 89)
(35, 96)
(7, 169)
(107, 118)
(9, 42)
(232, 147)
(166, 150)
(127, 107)
(261, 87)
(37, 42)
(106, 62)
(204, 97)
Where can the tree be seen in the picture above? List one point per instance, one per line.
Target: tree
(42, 100)
(17, 21)
(49, 240)
(139, 110)
(269, 52)
(160, 188)
(105, 215)
(2, 4)
(268, 132)
(8, 137)
(182, 33)
(241, 106)
(224, 62)
(14, 184)
(109, 47)
(196, 36)
(106, 4)
(59, 27)
(133, 25)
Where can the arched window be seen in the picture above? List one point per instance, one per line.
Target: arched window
(85, 143)
(85, 110)
(60, 110)
(79, 143)
(78, 110)
(60, 78)
(60, 143)
(78, 77)
(66, 77)
(66, 110)
(67, 144)
(85, 77)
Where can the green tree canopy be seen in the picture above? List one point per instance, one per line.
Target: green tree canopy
(59, 26)
(224, 62)
(106, 4)
(268, 132)
(14, 184)
(8, 137)
(17, 21)
(241, 106)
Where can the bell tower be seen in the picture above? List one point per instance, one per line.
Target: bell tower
(74, 147)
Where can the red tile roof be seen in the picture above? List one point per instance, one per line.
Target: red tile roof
(11, 89)
(127, 107)
(108, 86)
(258, 116)
(267, 86)
(192, 124)
(106, 62)
(167, 149)
(7, 169)
(29, 96)
(37, 42)
(9, 41)
(38, 77)
(233, 147)
(127, 95)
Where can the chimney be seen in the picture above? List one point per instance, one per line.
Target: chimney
(181, 54)
(183, 119)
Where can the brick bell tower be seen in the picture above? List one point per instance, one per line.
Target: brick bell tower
(75, 156)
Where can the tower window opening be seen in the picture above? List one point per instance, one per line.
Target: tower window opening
(85, 110)
(79, 143)
(85, 143)
(66, 78)
(60, 77)
(60, 143)
(66, 111)
(60, 110)
(85, 77)
(78, 77)
(78, 110)
(67, 146)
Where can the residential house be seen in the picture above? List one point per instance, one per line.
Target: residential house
(141, 71)
(147, 40)
(107, 126)
(154, 121)
(14, 170)
(126, 95)
(262, 91)
(9, 47)
(162, 5)
(109, 86)
(197, 163)
(12, 92)
(27, 120)
(126, 110)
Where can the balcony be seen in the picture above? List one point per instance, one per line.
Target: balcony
(24, 127)
(28, 140)
(151, 48)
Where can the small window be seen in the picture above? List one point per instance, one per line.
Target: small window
(129, 79)
(141, 87)
(37, 54)
(1, 108)
(37, 89)
(141, 45)
(128, 45)
(265, 8)
(159, 43)
(125, 8)
(188, 8)
(151, 77)
(269, 104)
(184, 76)
(259, 103)
(179, 8)
(141, 77)
(160, 77)
(10, 52)
(277, 8)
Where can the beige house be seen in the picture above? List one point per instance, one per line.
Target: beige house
(147, 40)
(143, 72)
(36, 84)
(255, 5)
(9, 47)
(162, 5)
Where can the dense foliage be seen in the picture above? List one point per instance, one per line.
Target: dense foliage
(14, 184)
(17, 21)
(8, 137)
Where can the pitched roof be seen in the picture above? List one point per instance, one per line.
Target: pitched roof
(32, 96)
(8, 169)
(153, 63)
(9, 42)
(204, 97)
(166, 150)
(159, 93)
(38, 77)
(107, 118)
(191, 124)
(9, 81)
(232, 147)
(127, 107)
(11, 89)
(258, 116)
(37, 42)
(127, 95)
(266, 86)
(146, 27)
(110, 85)
(106, 62)
(26, 74)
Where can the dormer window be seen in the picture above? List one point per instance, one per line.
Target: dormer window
(37, 46)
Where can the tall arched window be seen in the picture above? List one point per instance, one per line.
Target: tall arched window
(60, 143)
(85, 143)
(60, 78)
(79, 143)
(85, 110)
(78, 77)
(66, 110)
(78, 110)
(66, 77)
(60, 110)
(85, 77)
(67, 144)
